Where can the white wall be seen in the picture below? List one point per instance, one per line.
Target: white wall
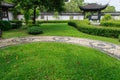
(20, 17)
(61, 17)
(116, 17)
(78, 17)
(10, 16)
(51, 17)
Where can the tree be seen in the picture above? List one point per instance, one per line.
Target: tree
(0, 27)
(110, 9)
(56, 15)
(107, 17)
(73, 6)
(49, 5)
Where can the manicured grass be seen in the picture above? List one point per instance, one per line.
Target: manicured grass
(56, 61)
(15, 33)
(55, 29)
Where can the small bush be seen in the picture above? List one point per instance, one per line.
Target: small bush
(110, 23)
(100, 31)
(34, 30)
(5, 25)
(107, 17)
(16, 24)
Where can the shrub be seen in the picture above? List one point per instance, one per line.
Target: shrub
(107, 17)
(101, 31)
(16, 24)
(5, 25)
(34, 30)
(110, 23)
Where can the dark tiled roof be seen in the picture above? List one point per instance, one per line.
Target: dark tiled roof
(93, 7)
(8, 5)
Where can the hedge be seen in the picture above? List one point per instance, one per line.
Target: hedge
(95, 30)
(49, 21)
(5, 25)
(110, 23)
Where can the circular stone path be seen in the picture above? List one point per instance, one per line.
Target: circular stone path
(109, 48)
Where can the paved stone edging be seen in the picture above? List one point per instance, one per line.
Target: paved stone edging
(111, 49)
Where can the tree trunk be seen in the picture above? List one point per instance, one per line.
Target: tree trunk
(0, 33)
(34, 15)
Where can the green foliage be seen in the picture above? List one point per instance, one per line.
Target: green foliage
(87, 15)
(71, 17)
(5, 25)
(107, 17)
(109, 9)
(34, 30)
(16, 10)
(27, 16)
(72, 6)
(16, 24)
(101, 31)
(56, 15)
(49, 5)
(111, 23)
(37, 12)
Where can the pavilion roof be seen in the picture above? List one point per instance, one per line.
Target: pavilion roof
(93, 7)
(6, 5)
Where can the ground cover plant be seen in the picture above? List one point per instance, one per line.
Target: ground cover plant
(56, 61)
(57, 29)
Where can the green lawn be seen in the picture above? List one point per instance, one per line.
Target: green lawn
(55, 29)
(56, 61)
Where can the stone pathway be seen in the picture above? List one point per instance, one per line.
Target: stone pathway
(109, 48)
